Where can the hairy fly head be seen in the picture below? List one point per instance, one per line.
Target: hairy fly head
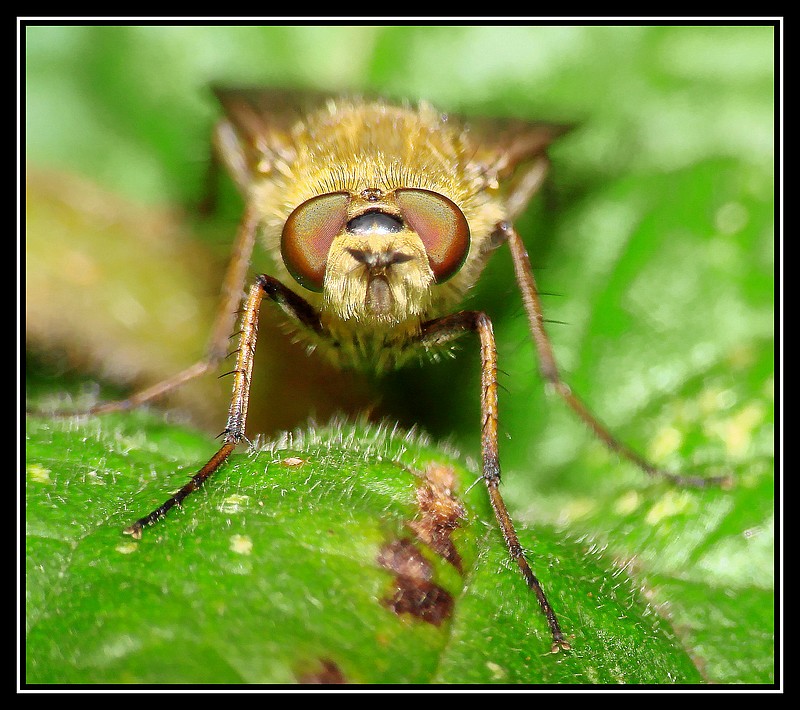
(375, 255)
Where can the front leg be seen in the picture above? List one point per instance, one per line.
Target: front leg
(300, 311)
(438, 332)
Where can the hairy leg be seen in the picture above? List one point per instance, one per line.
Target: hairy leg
(234, 432)
(549, 369)
(437, 332)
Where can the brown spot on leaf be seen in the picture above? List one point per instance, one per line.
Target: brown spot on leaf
(404, 559)
(440, 512)
(424, 600)
(326, 673)
(414, 592)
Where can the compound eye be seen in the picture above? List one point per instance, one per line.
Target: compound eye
(441, 226)
(308, 235)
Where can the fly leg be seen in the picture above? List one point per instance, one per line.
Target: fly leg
(437, 332)
(234, 432)
(225, 319)
(549, 369)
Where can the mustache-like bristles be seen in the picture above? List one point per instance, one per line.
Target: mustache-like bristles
(379, 259)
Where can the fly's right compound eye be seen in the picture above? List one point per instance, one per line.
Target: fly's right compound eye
(308, 235)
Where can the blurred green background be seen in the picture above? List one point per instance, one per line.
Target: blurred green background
(653, 240)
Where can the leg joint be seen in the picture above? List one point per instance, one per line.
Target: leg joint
(268, 285)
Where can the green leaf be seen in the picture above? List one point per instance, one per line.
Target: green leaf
(276, 572)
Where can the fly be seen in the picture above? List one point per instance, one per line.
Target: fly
(378, 217)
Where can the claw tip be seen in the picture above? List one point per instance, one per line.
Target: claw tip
(560, 646)
(135, 531)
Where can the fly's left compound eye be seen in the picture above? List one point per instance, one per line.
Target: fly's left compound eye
(441, 226)
(308, 235)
